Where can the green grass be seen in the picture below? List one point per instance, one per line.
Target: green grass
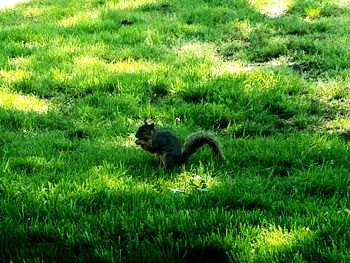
(77, 78)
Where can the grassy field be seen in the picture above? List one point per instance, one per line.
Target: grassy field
(271, 81)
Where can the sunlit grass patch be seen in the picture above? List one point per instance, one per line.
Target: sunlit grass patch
(238, 67)
(272, 8)
(83, 18)
(140, 66)
(196, 180)
(19, 62)
(96, 64)
(13, 76)
(33, 12)
(125, 4)
(10, 100)
(109, 177)
(275, 240)
(197, 50)
(197, 60)
(11, 3)
(312, 12)
(125, 141)
(92, 73)
(89, 63)
(242, 29)
(339, 124)
(335, 88)
(343, 3)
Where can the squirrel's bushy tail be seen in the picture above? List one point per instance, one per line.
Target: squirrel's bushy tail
(196, 141)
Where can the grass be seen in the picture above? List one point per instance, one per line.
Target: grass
(269, 78)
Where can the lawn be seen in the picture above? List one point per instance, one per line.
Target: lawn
(270, 79)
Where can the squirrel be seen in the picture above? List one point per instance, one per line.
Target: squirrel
(167, 148)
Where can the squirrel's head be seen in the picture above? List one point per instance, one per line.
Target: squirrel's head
(145, 131)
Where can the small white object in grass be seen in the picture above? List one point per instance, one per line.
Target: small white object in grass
(198, 177)
(176, 191)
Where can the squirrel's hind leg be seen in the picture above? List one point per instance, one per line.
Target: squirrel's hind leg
(170, 160)
(158, 158)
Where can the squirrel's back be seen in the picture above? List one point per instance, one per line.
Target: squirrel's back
(166, 141)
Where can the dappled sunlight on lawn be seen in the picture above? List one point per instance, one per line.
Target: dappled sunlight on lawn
(92, 71)
(343, 3)
(20, 62)
(269, 79)
(10, 3)
(128, 142)
(276, 8)
(107, 177)
(236, 67)
(272, 8)
(10, 100)
(80, 18)
(125, 141)
(275, 240)
(126, 4)
(195, 180)
(13, 76)
(88, 63)
(197, 50)
(135, 66)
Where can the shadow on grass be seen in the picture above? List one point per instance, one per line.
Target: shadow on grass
(134, 224)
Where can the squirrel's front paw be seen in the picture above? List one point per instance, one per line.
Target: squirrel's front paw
(139, 142)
